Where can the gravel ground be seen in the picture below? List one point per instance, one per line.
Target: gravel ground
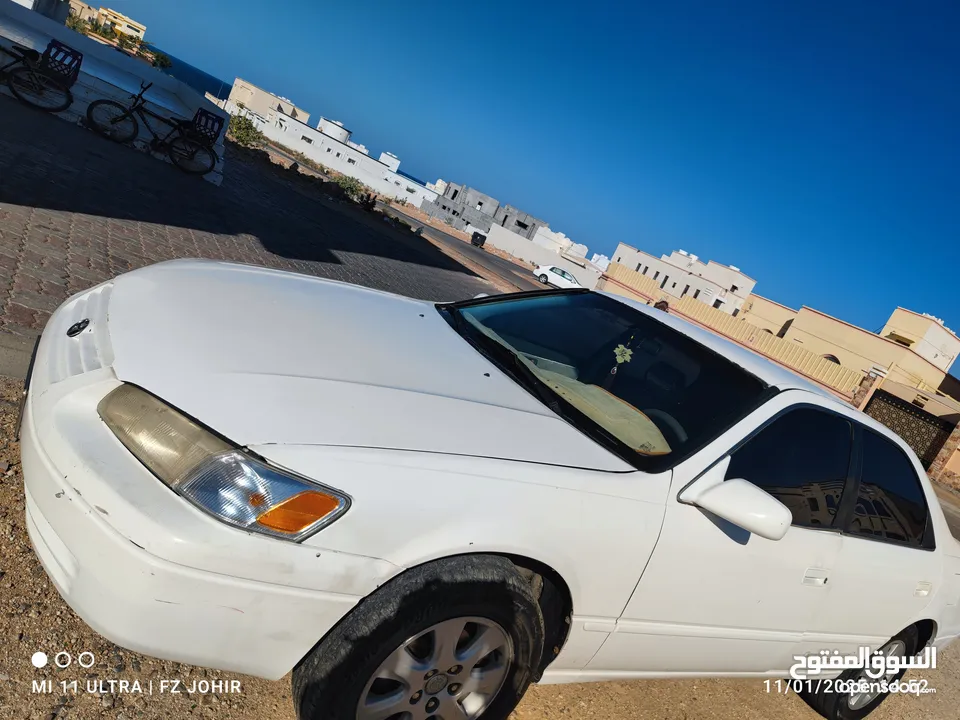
(34, 618)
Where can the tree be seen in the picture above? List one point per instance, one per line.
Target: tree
(126, 42)
(105, 31)
(243, 132)
(162, 61)
(75, 23)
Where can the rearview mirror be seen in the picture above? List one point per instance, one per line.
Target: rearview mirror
(739, 502)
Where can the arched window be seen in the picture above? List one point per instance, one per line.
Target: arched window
(832, 358)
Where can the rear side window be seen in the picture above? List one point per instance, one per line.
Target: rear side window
(802, 458)
(890, 505)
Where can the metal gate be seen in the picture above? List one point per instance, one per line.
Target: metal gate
(923, 432)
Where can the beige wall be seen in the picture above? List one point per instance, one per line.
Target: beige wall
(121, 23)
(861, 350)
(83, 11)
(917, 371)
(811, 336)
(766, 314)
(939, 406)
(853, 346)
(620, 280)
(262, 102)
(928, 338)
(953, 464)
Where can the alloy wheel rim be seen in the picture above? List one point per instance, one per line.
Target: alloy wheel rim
(859, 700)
(453, 670)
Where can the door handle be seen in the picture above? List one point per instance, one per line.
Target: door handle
(816, 577)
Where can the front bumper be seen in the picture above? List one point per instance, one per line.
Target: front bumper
(150, 572)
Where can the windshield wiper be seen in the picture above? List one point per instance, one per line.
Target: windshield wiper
(513, 365)
(508, 361)
(530, 381)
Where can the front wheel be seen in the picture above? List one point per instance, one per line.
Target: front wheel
(112, 120)
(458, 638)
(190, 156)
(38, 90)
(543, 279)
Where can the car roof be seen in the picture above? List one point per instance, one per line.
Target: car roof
(754, 363)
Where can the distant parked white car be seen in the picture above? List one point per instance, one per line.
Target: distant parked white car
(555, 276)
(422, 508)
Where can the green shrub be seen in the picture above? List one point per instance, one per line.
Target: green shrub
(243, 132)
(162, 61)
(75, 23)
(351, 186)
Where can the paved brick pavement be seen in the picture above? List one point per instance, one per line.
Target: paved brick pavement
(76, 209)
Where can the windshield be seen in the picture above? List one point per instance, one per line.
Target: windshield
(649, 393)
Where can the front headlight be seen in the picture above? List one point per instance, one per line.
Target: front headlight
(214, 475)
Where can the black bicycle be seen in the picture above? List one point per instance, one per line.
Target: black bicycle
(43, 81)
(189, 144)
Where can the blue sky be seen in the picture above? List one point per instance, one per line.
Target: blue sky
(816, 145)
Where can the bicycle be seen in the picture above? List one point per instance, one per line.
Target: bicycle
(43, 81)
(189, 144)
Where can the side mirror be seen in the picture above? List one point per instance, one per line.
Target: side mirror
(739, 502)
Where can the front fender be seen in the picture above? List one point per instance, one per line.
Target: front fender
(595, 529)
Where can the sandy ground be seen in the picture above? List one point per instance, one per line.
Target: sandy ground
(34, 618)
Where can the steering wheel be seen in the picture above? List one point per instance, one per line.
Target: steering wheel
(670, 421)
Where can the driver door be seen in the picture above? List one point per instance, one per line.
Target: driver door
(715, 598)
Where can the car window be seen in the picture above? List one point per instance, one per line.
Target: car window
(647, 386)
(890, 505)
(802, 458)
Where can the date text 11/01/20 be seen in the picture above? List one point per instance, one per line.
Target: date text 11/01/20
(902, 687)
(135, 687)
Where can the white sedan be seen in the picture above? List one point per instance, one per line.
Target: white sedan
(422, 508)
(555, 276)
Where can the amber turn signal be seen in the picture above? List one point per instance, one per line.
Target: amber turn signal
(299, 512)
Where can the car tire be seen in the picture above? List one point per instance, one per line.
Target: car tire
(347, 667)
(835, 705)
(543, 279)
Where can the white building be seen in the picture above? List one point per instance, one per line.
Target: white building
(724, 287)
(601, 261)
(246, 95)
(551, 240)
(391, 161)
(329, 144)
(334, 129)
(439, 187)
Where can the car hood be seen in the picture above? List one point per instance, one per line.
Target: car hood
(268, 357)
